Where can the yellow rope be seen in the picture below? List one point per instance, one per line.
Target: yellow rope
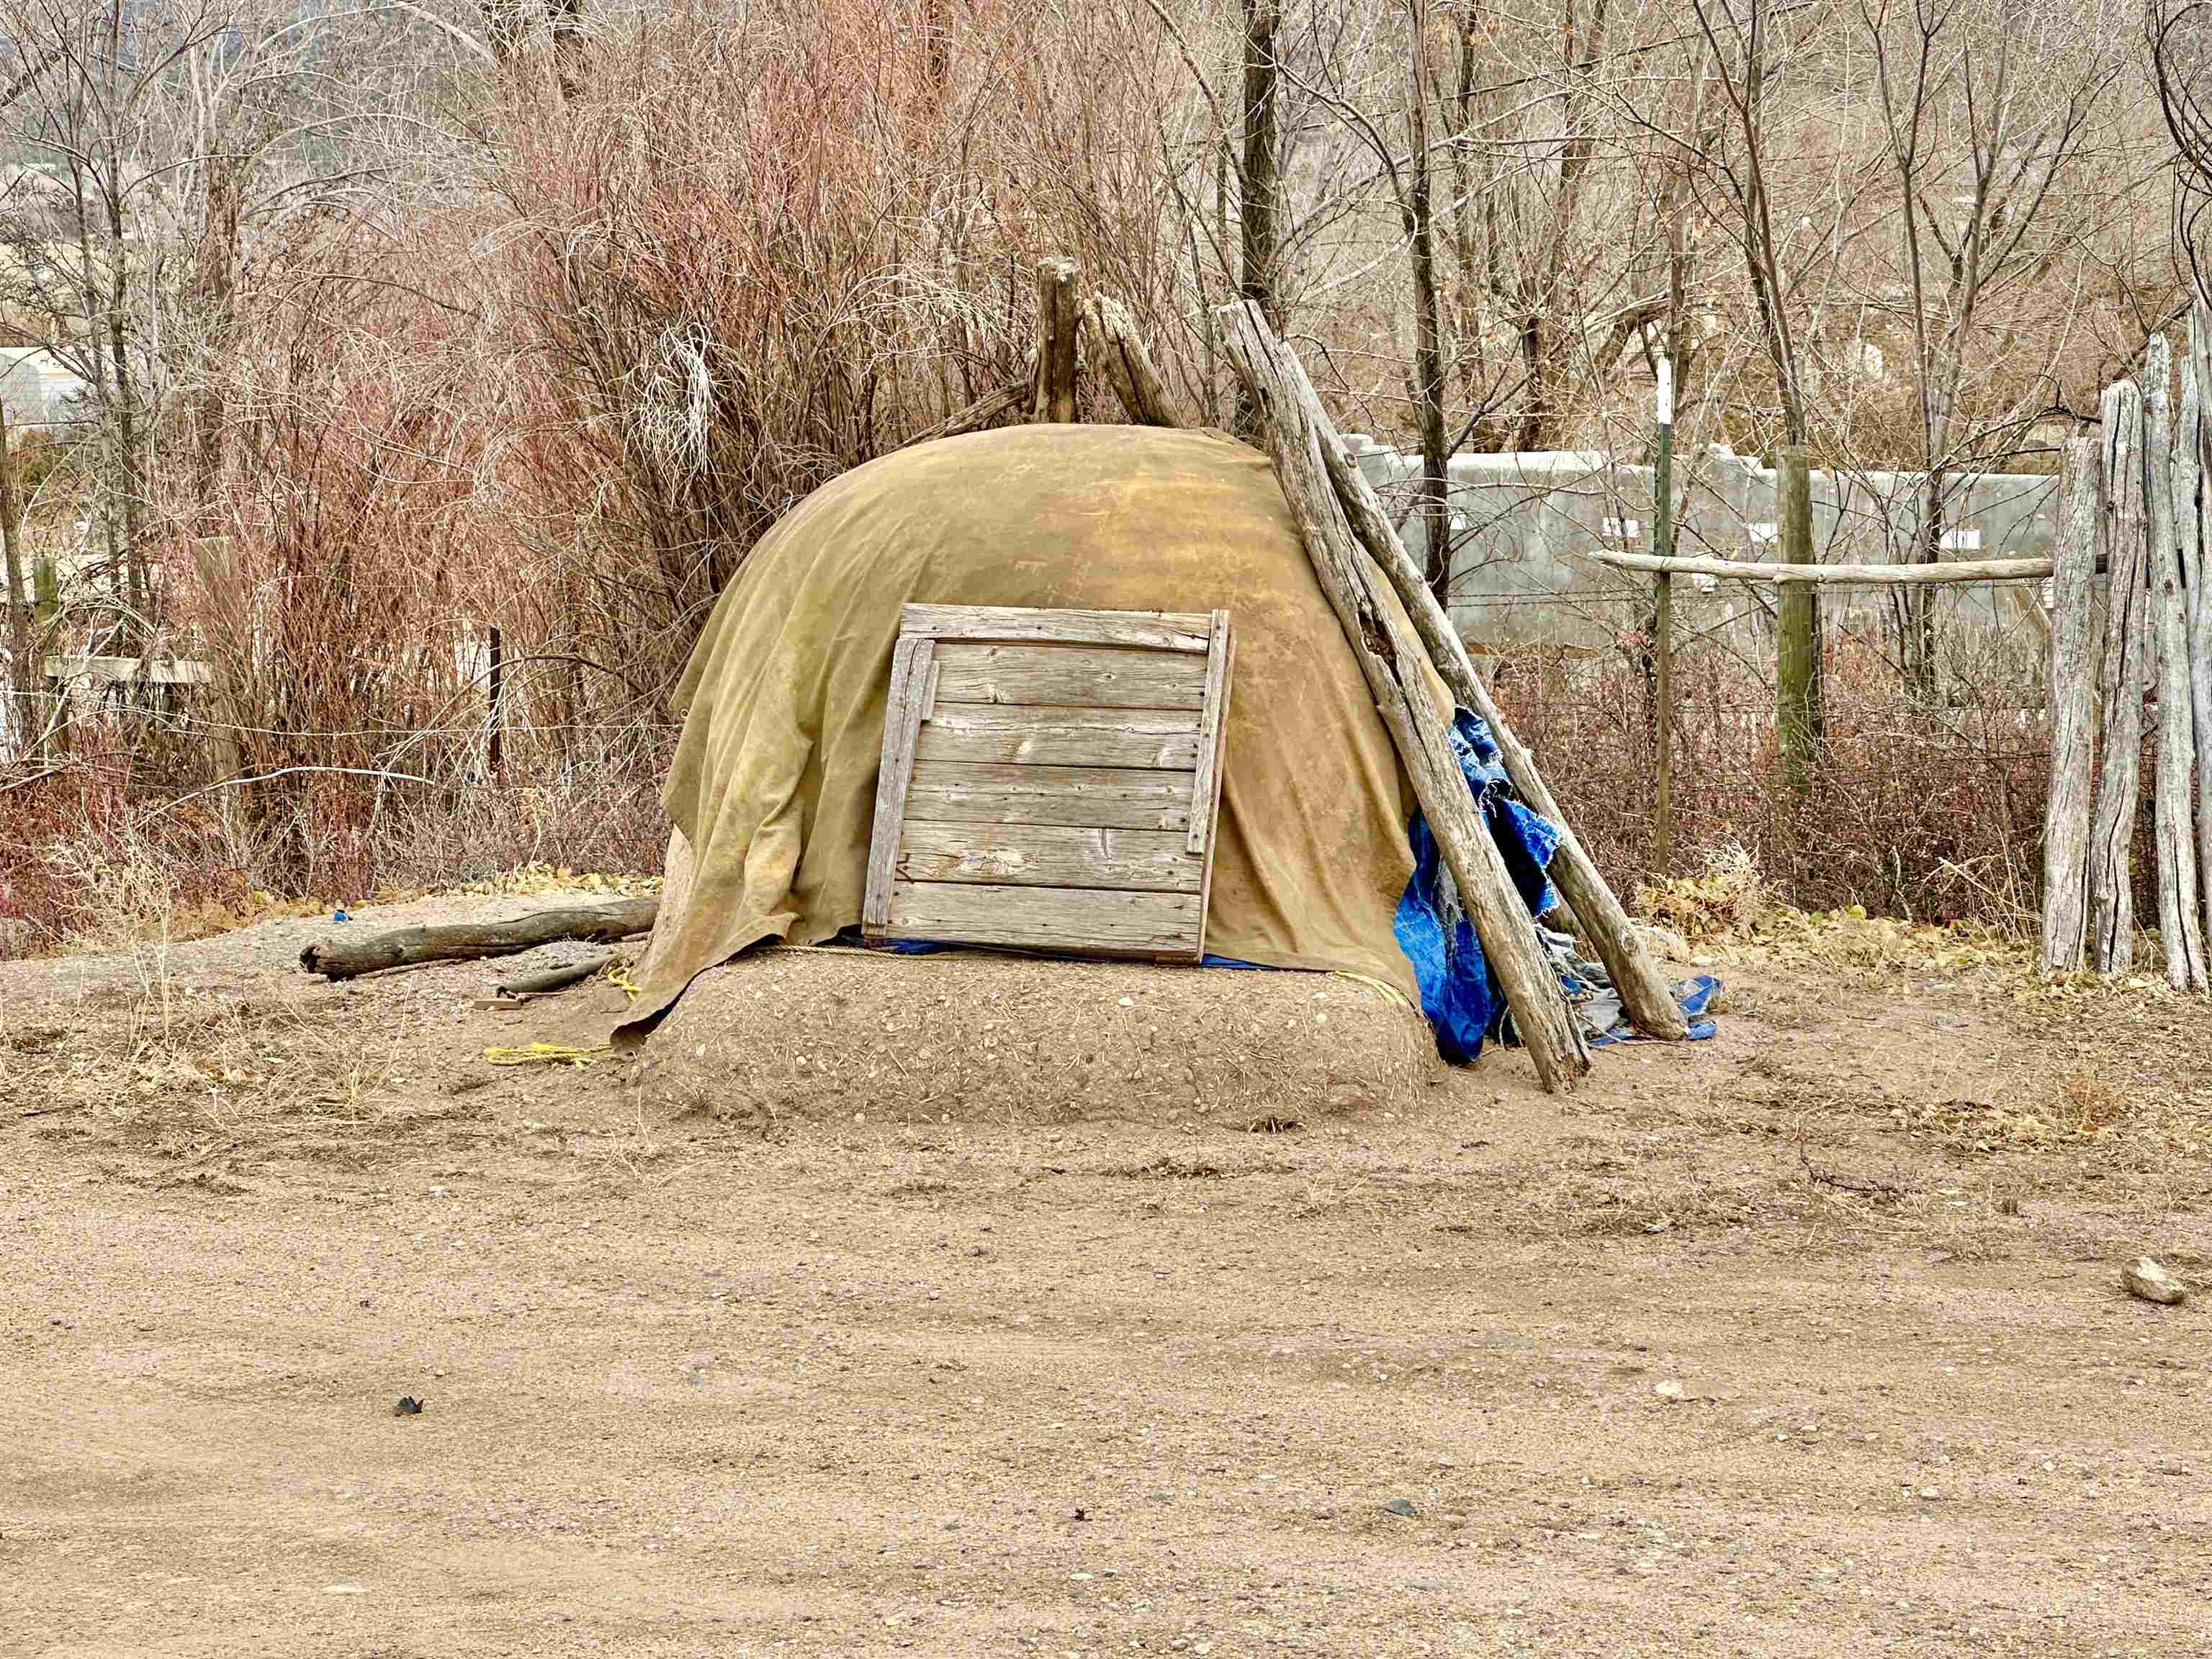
(549, 1054)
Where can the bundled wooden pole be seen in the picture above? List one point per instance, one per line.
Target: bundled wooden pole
(1391, 656)
(1057, 320)
(2111, 834)
(2175, 841)
(2073, 722)
(1643, 993)
(1119, 355)
(2191, 477)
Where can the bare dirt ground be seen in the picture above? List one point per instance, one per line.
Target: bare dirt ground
(1805, 1340)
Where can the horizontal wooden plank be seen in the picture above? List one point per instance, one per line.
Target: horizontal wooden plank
(1099, 677)
(1160, 631)
(1092, 797)
(1094, 921)
(1046, 734)
(1049, 855)
(116, 671)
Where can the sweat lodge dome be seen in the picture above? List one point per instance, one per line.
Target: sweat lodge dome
(1320, 861)
(772, 793)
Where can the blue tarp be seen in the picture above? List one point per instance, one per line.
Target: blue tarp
(1460, 994)
(1463, 1002)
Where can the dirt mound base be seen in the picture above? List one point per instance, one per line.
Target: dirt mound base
(968, 1037)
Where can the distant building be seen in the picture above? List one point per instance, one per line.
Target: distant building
(41, 394)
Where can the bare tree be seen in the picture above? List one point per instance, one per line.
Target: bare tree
(2179, 35)
(1983, 108)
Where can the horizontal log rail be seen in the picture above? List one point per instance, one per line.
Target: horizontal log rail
(1839, 575)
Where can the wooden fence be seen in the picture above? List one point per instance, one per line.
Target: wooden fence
(2135, 500)
(2135, 512)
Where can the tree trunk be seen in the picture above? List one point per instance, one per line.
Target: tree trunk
(2073, 723)
(2180, 931)
(1663, 633)
(2111, 834)
(1797, 665)
(1920, 603)
(1391, 658)
(1435, 497)
(1258, 237)
(494, 712)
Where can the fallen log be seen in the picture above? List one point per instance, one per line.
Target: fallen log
(985, 411)
(1621, 945)
(342, 957)
(1390, 657)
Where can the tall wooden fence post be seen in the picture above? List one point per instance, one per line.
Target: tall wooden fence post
(1797, 665)
(2190, 474)
(2179, 928)
(2073, 722)
(1663, 631)
(2112, 833)
(1058, 320)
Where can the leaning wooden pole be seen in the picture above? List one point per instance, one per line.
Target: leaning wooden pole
(1292, 425)
(2112, 833)
(2175, 842)
(1621, 945)
(1117, 352)
(2073, 720)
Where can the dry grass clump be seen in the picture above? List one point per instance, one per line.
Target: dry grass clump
(1727, 900)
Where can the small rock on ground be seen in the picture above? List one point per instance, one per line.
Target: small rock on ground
(2145, 1279)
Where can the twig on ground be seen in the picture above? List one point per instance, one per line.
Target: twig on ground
(1864, 1186)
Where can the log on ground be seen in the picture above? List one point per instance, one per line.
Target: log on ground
(345, 956)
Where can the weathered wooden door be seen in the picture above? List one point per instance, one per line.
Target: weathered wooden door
(1050, 779)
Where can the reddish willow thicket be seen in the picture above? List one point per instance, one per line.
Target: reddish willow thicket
(448, 464)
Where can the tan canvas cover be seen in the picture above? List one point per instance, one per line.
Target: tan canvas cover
(773, 788)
